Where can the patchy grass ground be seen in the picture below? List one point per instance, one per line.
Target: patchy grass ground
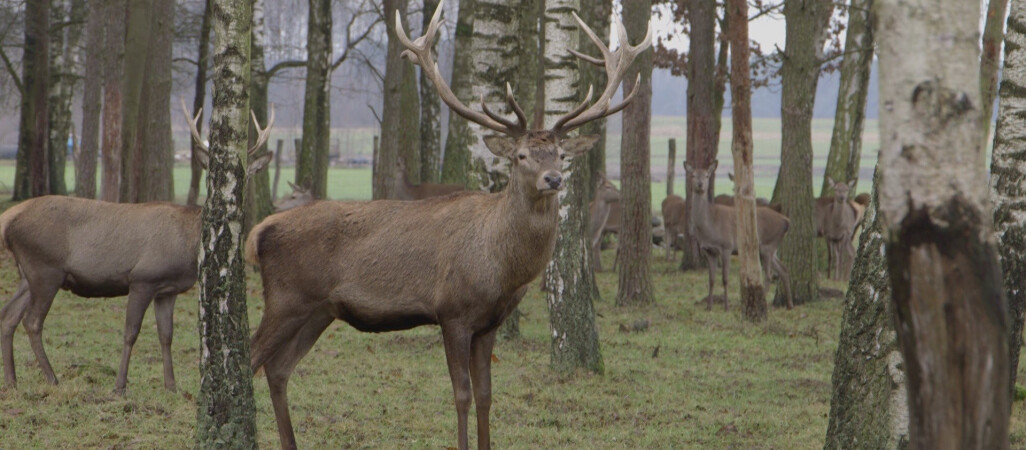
(692, 379)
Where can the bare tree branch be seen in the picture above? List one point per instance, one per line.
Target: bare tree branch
(11, 71)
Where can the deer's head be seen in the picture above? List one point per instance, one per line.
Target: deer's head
(254, 162)
(299, 197)
(537, 155)
(606, 190)
(841, 189)
(699, 178)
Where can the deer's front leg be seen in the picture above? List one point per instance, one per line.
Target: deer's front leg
(457, 354)
(481, 374)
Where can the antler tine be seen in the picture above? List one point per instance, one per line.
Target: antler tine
(419, 52)
(262, 133)
(576, 111)
(521, 124)
(189, 119)
(586, 58)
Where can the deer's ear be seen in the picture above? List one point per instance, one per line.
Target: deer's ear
(579, 144)
(712, 166)
(687, 167)
(260, 163)
(292, 185)
(851, 185)
(730, 175)
(830, 181)
(203, 157)
(501, 146)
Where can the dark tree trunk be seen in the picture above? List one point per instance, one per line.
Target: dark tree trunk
(950, 312)
(312, 162)
(430, 116)
(635, 237)
(806, 20)
(198, 98)
(225, 409)
(849, 118)
(258, 189)
(703, 133)
(457, 145)
(595, 13)
(409, 114)
(31, 173)
(869, 406)
(753, 295)
(137, 47)
(85, 162)
(388, 154)
(114, 50)
(157, 150)
(1009, 180)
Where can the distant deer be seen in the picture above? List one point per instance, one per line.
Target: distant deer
(839, 218)
(674, 221)
(461, 261)
(148, 251)
(713, 226)
(300, 196)
(606, 195)
(406, 191)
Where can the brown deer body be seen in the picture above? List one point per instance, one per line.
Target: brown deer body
(404, 190)
(674, 221)
(712, 224)
(475, 252)
(147, 251)
(606, 195)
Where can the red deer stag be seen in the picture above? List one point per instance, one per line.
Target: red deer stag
(476, 252)
(712, 224)
(148, 251)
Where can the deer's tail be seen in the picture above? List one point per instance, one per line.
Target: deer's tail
(253, 244)
(5, 221)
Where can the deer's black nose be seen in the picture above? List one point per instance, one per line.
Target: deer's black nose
(554, 180)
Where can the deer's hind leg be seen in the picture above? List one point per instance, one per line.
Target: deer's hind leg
(10, 317)
(139, 298)
(42, 290)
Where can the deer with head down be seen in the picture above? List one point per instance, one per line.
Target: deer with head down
(606, 195)
(476, 252)
(148, 251)
(713, 226)
(404, 190)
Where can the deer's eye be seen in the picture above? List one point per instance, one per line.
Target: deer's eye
(562, 156)
(522, 156)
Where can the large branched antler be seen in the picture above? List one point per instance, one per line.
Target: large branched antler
(418, 52)
(615, 64)
(204, 150)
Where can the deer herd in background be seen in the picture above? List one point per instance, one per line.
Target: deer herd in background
(323, 261)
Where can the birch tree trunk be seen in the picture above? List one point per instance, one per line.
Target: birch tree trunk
(753, 295)
(849, 118)
(806, 20)
(157, 149)
(134, 81)
(635, 238)
(993, 34)
(869, 406)
(64, 35)
(1008, 178)
(258, 189)
(568, 277)
(114, 49)
(85, 162)
(225, 408)
(31, 174)
(430, 116)
(199, 96)
(951, 316)
(312, 162)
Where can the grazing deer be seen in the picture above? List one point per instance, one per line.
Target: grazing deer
(406, 191)
(300, 196)
(606, 195)
(713, 225)
(475, 252)
(148, 251)
(674, 221)
(840, 217)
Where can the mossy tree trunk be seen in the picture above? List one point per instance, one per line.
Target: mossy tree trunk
(849, 117)
(1008, 178)
(199, 96)
(456, 158)
(753, 295)
(869, 407)
(635, 237)
(806, 21)
(312, 162)
(568, 277)
(225, 408)
(92, 90)
(258, 189)
(950, 310)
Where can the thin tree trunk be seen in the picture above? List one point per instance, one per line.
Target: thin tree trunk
(703, 131)
(457, 144)
(85, 162)
(951, 315)
(388, 154)
(31, 174)
(277, 170)
(312, 162)
(114, 49)
(869, 406)
(225, 409)
(198, 98)
(1008, 178)
(806, 20)
(258, 189)
(635, 237)
(993, 34)
(158, 150)
(671, 161)
(568, 276)
(65, 33)
(753, 295)
(849, 118)
(137, 47)
(430, 116)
